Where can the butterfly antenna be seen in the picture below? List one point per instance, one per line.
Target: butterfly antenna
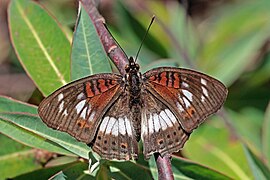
(152, 20)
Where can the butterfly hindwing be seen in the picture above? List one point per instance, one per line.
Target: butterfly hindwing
(190, 95)
(78, 107)
(116, 137)
(161, 131)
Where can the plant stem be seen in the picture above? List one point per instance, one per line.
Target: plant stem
(164, 167)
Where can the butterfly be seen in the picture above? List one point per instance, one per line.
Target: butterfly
(112, 112)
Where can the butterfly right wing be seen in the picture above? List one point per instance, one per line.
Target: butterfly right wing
(78, 107)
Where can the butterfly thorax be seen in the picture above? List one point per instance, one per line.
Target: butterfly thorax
(133, 87)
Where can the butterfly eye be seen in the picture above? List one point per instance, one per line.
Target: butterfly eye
(127, 68)
(137, 66)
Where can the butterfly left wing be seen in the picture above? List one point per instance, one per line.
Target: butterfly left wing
(160, 130)
(78, 107)
(191, 96)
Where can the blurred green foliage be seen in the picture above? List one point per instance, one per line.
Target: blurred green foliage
(230, 42)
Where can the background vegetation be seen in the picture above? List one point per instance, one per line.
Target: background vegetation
(226, 39)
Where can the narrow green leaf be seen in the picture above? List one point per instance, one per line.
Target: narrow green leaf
(35, 125)
(8, 104)
(40, 45)
(55, 171)
(266, 135)
(30, 139)
(195, 171)
(129, 170)
(21, 135)
(88, 56)
(233, 38)
(184, 40)
(259, 170)
(15, 159)
(76, 171)
(219, 149)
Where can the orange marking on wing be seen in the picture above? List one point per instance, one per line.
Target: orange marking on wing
(102, 85)
(176, 80)
(163, 79)
(189, 113)
(82, 123)
(152, 78)
(88, 90)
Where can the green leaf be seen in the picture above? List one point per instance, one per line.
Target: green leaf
(8, 104)
(29, 138)
(186, 169)
(21, 135)
(88, 56)
(35, 125)
(259, 170)
(266, 135)
(40, 45)
(129, 170)
(15, 158)
(184, 40)
(194, 170)
(76, 171)
(219, 149)
(70, 170)
(233, 38)
(250, 131)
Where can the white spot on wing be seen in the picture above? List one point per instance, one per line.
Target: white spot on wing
(205, 92)
(80, 105)
(80, 96)
(187, 103)
(110, 125)
(166, 118)
(150, 124)
(60, 96)
(156, 122)
(61, 106)
(122, 128)
(171, 116)
(203, 81)
(115, 129)
(187, 94)
(144, 124)
(128, 126)
(185, 84)
(180, 107)
(83, 113)
(65, 112)
(162, 123)
(104, 124)
(91, 118)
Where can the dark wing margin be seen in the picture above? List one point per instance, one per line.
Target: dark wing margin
(161, 131)
(77, 108)
(191, 96)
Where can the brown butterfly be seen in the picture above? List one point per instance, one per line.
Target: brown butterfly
(113, 112)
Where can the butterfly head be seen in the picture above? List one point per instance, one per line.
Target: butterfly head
(132, 67)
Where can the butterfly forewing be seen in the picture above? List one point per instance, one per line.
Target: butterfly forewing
(78, 107)
(116, 137)
(161, 131)
(190, 95)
